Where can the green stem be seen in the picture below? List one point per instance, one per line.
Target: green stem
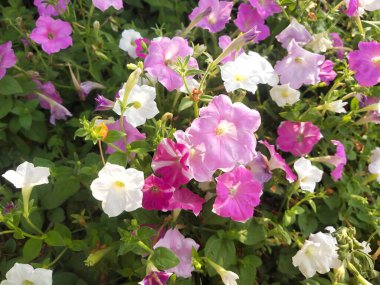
(33, 226)
(57, 258)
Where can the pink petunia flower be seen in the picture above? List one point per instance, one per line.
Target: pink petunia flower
(140, 51)
(224, 42)
(277, 162)
(352, 8)
(103, 104)
(182, 248)
(337, 43)
(52, 35)
(237, 194)
(132, 134)
(227, 139)
(156, 193)
(299, 66)
(186, 200)
(266, 8)
(326, 72)
(86, 87)
(298, 138)
(365, 62)
(247, 18)
(7, 58)
(156, 278)
(162, 57)
(217, 19)
(171, 162)
(295, 31)
(46, 8)
(105, 4)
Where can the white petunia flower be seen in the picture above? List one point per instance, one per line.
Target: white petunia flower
(318, 254)
(142, 104)
(127, 42)
(284, 95)
(247, 71)
(229, 277)
(118, 188)
(308, 175)
(336, 106)
(320, 43)
(374, 166)
(25, 274)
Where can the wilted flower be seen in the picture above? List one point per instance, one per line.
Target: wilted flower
(156, 278)
(128, 42)
(140, 50)
(320, 43)
(295, 31)
(326, 71)
(224, 41)
(335, 106)
(265, 8)
(52, 35)
(51, 8)
(7, 58)
(87, 86)
(374, 166)
(103, 104)
(284, 95)
(337, 43)
(24, 274)
(260, 168)
(186, 200)
(118, 188)
(308, 175)
(105, 4)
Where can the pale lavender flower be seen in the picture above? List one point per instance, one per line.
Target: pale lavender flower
(295, 31)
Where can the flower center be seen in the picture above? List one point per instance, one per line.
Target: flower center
(133, 43)
(298, 59)
(239, 78)
(225, 127)
(27, 282)
(50, 36)
(376, 60)
(300, 138)
(285, 94)
(154, 189)
(137, 105)
(211, 19)
(232, 191)
(119, 185)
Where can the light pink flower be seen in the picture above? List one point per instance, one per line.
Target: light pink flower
(186, 200)
(86, 87)
(182, 247)
(260, 168)
(162, 57)
(46, 9)
(132, 134)
(295, 31)
(105, 4)
(237, 194)
(52, 35)
(217, 19)
(171, 162)
(299, 66)
(228, 139)
(224, 41)
(156, 193)
(103, 104)
(266, 8)
(337, 43)
(298, 138)
(276, 161)
(326, 72)
(247, 18)
(7, 57)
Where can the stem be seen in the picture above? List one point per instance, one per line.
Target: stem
(33, 226)
(101, 152)
(144, 246)
(356, 273)
(25, 200)
(57, 258)
(115, 147)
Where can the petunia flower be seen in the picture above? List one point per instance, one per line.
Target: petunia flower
(298, 138)
(284, 95)
(128, 42)
(156, 193)
(24, 274)
(365, 62)
(237, 194)
(216, 20)
(170, 162)
(260, 168)
(335, 106)
(139, 49)
(7, 58)
(318, 254)
(162, 58)
(103, 104)
(142, 104)
(228, 277)
(52, 35)
(223, 42)
(308, 175)
(47, 8)
(265, 8)
(357, 8)
(86, 87)
(295, 31)
(118, 188)
(372, 116)
(326, 72)
(320, 43)
(374, 166)
(105, 4)
(156, 278)
(182, 248)
(337, 43)
(299, 66)
(186, 200)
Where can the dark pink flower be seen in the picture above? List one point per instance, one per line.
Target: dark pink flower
(156, 193)
(105, 4)
(298, 138)
(352, 8)
(365, 62)
(162, 57)
(186, 200)
(52, 35)
(132, 134)
(7, 58)
(266, 8)
(217, 19)
(224, 41)
(103, 104)
(337, 43)
(140, 50)
(237, 194)
(46, 8)
(156, 278)
(247, 18)
(171, 162)
(326, 72)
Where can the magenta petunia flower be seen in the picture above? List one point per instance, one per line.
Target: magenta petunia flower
(299, 66)
(266, 8)
(140, 51)
(156, 193)
(227, 139)
(326, 72)
(182, 248)
(7, 57)
(276, 161)
(162, 57)
(105, 4)
(224, 41)
(298, 138)
(337, 43)
(237, 194)
(103, 104)
(217, 19)
(52, 35)
(47, 8)
(365, 62)
(295, 31)
(352, 8)
(156, 278)
(260, 168)
(247, 18)
(132, 134)
(186, 200)
(171, 162)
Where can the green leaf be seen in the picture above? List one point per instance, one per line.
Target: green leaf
(9, 86)
(113, 136)
(140, 146)
(185, 103)
(26, 121)
(221, 251)
(31, 249)
(53, 238)
(5, 106)
(164, 258)
(247, 269)
(118, 158)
